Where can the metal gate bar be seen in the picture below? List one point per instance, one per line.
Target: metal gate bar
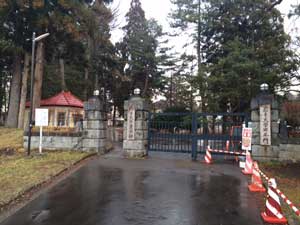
(193, 132)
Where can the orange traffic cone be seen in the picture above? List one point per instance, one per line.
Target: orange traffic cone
(256, 182)
(208, 158)
(248, 167)
(273, 213)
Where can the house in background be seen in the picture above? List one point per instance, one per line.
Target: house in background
(65, 110)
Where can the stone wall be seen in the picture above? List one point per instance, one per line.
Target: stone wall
(280, 149)
(261, 152)
(55, 142)
(94, 126)
(289, 152)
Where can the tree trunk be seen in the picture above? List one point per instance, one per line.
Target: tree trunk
(86, 83)
(2, 94)
(202, 81)
(62, 74)
(145, 86)
(14, 98)
(24, 91)
(87, 68)
(114, 116)
(38, 77)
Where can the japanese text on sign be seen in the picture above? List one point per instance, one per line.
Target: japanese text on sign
(265, 124)
(246, 138)
(130, 122)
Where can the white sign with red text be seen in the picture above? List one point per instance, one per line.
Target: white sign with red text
(246, 138)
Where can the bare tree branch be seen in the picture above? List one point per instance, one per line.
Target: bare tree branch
(274, 3)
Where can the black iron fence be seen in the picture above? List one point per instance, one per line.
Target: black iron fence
(193, 132)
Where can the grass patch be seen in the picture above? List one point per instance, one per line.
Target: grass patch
(288, 181)
(18, 173)
(11, 138)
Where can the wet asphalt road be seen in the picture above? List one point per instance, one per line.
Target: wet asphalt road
(113, 191)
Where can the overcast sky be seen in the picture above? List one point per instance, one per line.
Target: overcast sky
(159, 10)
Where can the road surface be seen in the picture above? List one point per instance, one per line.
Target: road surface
(156, 191)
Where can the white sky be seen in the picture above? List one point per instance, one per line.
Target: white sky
(159, 10)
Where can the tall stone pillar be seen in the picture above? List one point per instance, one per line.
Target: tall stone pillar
(135, 141)
(94, 126)
(265, 127)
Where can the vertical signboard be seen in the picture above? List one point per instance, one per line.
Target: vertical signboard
(265, 124)
(130, 122)
(41, 120)
(246, 138)
(41, 117)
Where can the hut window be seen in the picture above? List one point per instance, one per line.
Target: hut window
(77, 118)
(61, 119)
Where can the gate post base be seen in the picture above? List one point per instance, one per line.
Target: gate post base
(135, 148)
(134, 154)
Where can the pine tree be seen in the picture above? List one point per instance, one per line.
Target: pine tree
(187, 16)
(140, 45)
(245, 45)
(242, 44)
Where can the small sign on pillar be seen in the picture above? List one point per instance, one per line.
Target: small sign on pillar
(41, 120)
(246, 138)
(265, 124)
(131, 122)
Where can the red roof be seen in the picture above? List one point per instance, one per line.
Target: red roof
(61, 99)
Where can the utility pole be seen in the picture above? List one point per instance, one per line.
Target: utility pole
(30, 120)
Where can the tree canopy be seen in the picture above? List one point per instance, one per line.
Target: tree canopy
(241, 44)
(234, 46)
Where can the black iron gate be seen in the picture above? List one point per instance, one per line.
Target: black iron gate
(193, 132)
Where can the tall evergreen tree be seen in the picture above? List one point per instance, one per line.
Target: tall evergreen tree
(67, 22)
(242, 45)
(245, 45)
(140, 45)
(187, 16)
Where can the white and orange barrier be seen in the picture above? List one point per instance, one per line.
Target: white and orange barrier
(249, 165)
(256, 182)
(273, 213)
(286, 200)
(208, 157)
(227, 152)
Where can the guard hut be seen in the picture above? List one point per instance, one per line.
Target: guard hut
(65, 110)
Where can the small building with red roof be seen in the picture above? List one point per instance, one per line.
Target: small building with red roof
(65, 109)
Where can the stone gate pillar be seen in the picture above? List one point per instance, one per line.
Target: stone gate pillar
(265, 127)
(94, 126)
(135, 127)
